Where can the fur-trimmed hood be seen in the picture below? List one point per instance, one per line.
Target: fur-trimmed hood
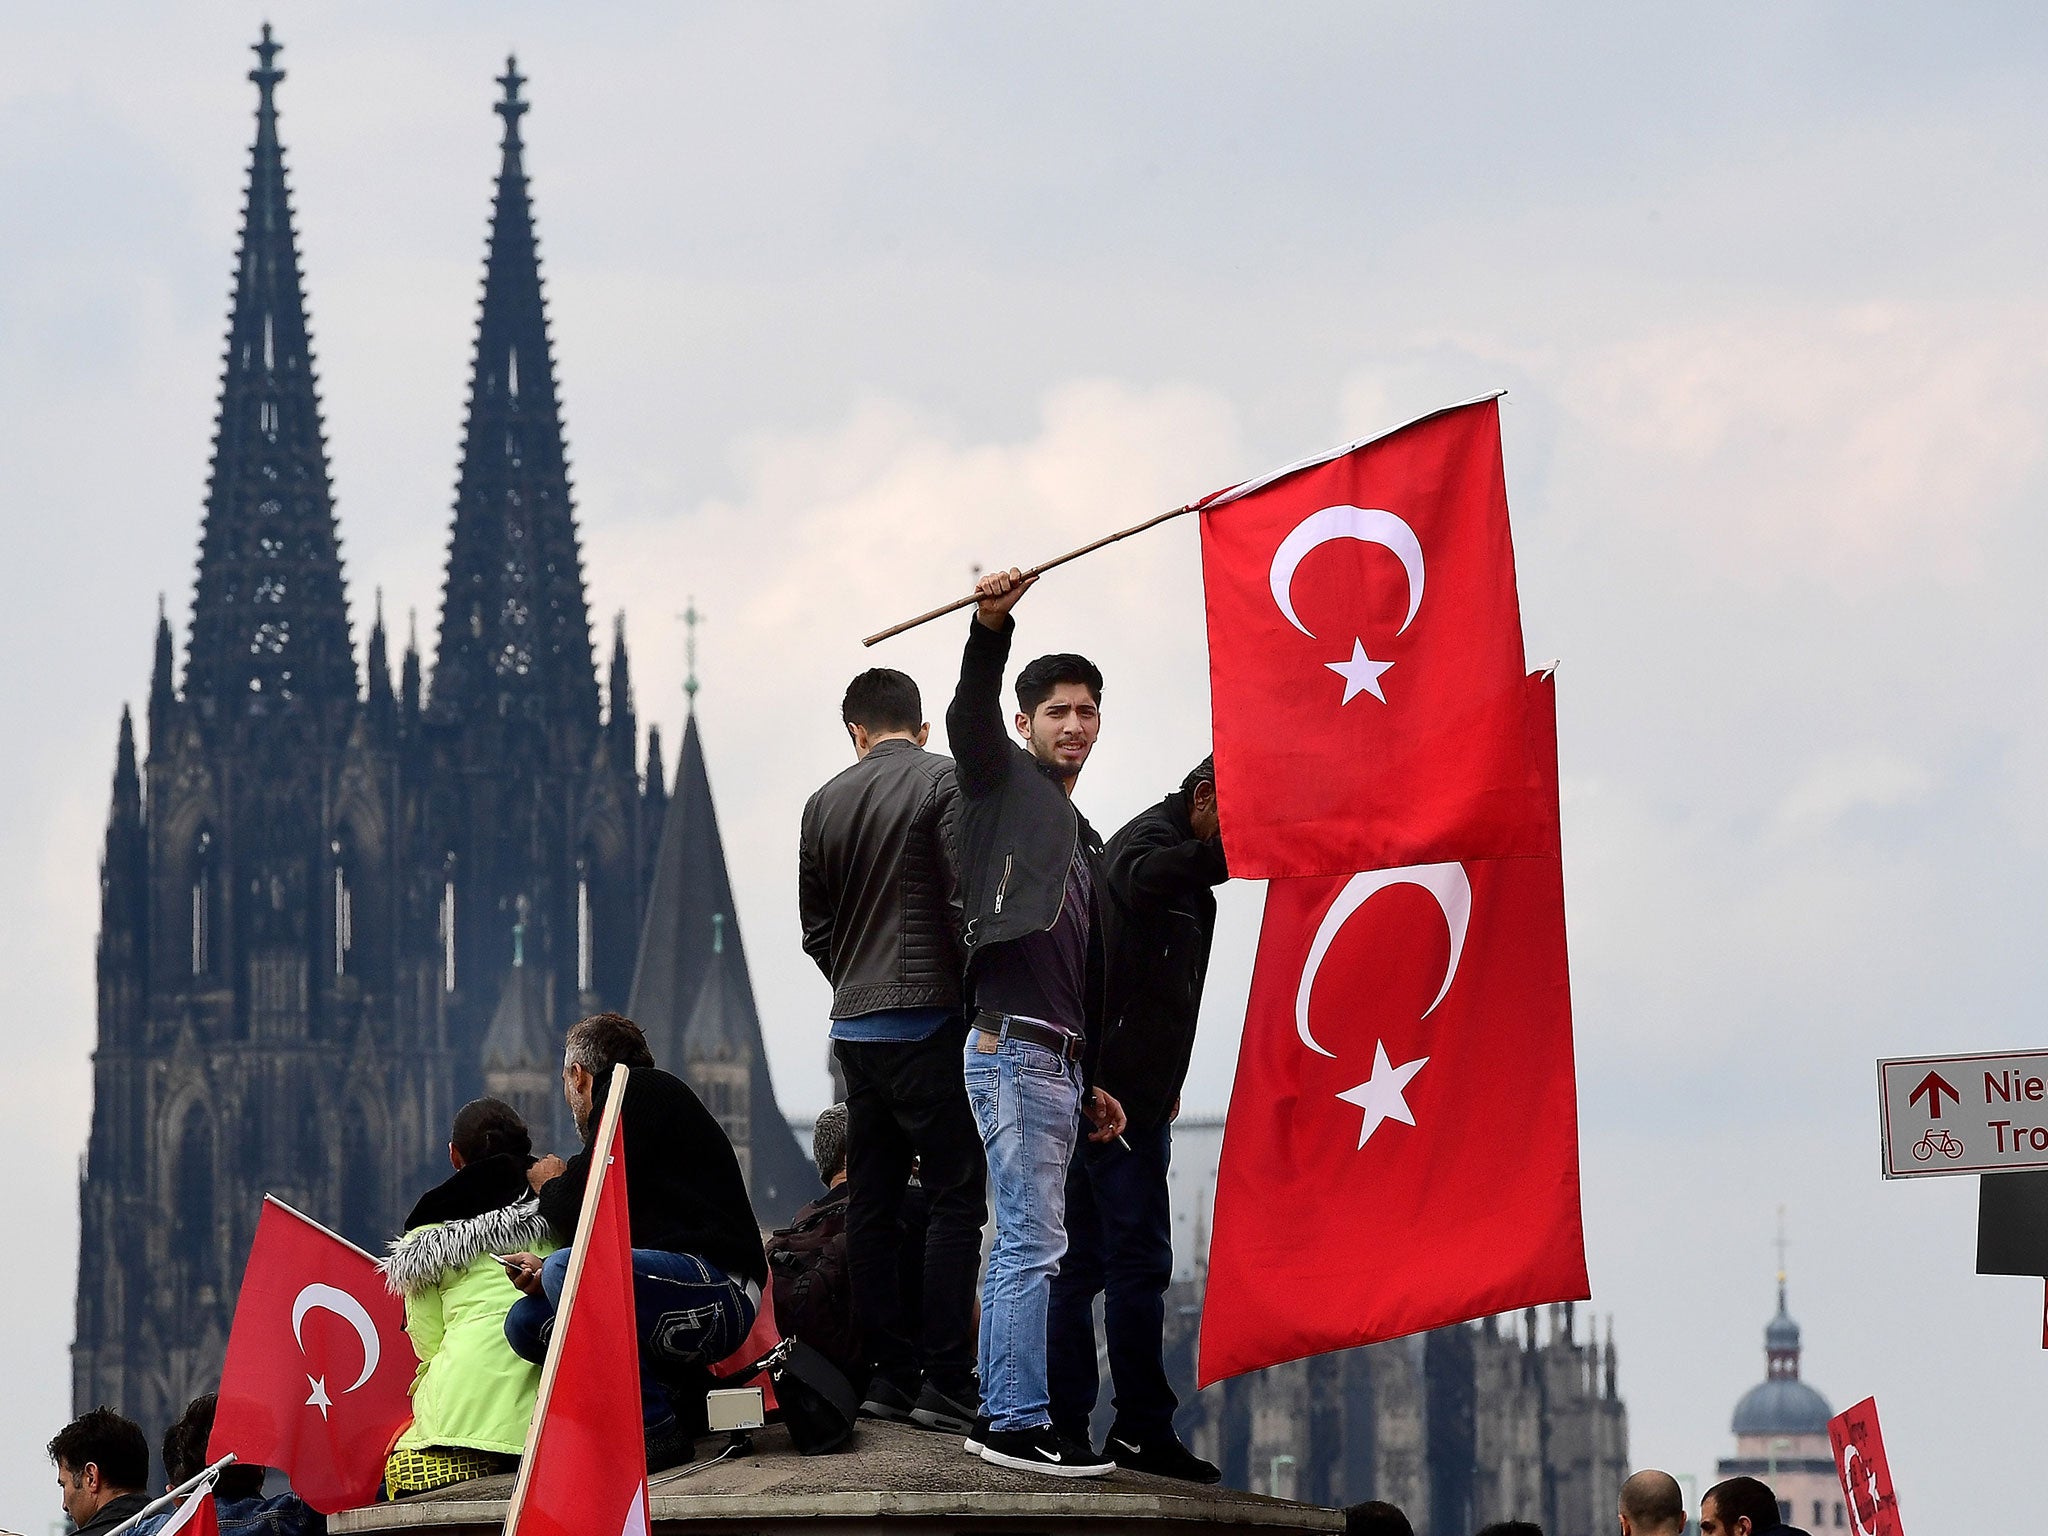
(423, 1257)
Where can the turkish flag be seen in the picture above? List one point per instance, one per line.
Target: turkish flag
(196, 1516)
(1865, 1475)
(585, 1468)
(1402, 1148)
(318, 1366)
(1365, 657)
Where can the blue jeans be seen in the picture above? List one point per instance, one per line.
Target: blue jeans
(1027, 1105)
(688, 1314)
(1120, 1241)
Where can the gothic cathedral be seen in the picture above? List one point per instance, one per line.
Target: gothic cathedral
(333, 910)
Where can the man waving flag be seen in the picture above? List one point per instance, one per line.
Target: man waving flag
(1365, 657)
(585, 1468)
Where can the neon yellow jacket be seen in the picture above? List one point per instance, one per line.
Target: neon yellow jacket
(470, 1389)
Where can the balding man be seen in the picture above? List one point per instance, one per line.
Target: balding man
(1652, 1505)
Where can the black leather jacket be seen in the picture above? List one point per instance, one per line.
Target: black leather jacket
(1160, 876)
(875, 882)
(1018, 828)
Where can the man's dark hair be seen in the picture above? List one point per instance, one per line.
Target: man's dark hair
(1740, 1496)
(882, 699)
(489, 1128)
(105, 1440)
(1203, 772)
(1037, 681)
(1512, 1528)
(185, 1454)
(606, 1040)
(1376, 1517)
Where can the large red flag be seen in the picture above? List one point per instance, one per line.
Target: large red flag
(318, 1365)
(1365, 657)
(1402, 1149)
(585, 1469)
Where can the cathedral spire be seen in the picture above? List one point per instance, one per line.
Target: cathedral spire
(620, 722)
(163, 687)
(515, 626)
(270, 622)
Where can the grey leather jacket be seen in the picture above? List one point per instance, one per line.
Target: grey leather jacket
(877, 885)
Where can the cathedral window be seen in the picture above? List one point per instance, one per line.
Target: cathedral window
(512, 372)
(192, 1189)
(344, 913)
(269, 342)
(583, 955)
(448, 935)
(202, 905)
(362, 1201)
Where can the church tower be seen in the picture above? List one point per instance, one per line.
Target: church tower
(535, 806)
(260, 1023)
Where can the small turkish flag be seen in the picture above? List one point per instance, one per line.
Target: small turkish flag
(585, 1469)
(318, 1367)
(196, 1516)
(1865, 1474)
(1365, 657)
(1402, 1148)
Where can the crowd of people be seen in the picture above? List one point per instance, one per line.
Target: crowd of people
(1013, 1010)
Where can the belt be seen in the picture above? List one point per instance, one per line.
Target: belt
(1051, 1036)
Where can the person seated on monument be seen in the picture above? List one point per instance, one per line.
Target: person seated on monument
(238, 1503)
(698, 1267)
(102, 1470)
(472, 1397)
(807, 1260)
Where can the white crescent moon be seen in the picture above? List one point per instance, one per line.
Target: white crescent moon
(1446, 882)
(349, 1310)
(1369, 525)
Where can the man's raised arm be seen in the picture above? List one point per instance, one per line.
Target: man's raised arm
(975, 729)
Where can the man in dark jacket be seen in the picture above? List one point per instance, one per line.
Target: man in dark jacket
(102, 1470)
(875, 888)
(698, 1267)
(1030, 873)
(1161, 870)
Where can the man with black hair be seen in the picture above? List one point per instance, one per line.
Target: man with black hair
(698, 1268)
(1030, 883)
(1162, 870)
(102, 1470)
(238, 1503)
(875, 888)
(1376, 1517)
(1744, 1506)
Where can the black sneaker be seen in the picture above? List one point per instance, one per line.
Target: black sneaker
(1044, 1451)
(1163, 1457)
(941, 1410)
(977, 1437)
(886, 1400)
(667, 1446)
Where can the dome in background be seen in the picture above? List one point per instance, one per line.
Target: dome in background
(1783, 1406)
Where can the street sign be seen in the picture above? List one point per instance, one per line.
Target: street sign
(1866, 1478)
(1963, 1114)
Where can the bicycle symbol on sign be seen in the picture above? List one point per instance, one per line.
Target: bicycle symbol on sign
(1937, 1140)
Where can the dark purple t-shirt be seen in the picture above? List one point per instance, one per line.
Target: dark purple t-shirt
(1043, 975)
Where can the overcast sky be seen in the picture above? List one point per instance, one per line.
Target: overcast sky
(847, 299)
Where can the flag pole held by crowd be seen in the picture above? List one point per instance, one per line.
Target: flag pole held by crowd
(199, 1483)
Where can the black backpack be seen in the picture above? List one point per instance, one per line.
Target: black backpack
(807, 1266)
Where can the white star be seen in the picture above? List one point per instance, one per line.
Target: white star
(1381, 1098)
(1361, 673)
(319, 1399)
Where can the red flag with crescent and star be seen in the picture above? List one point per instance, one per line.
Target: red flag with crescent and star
(1365, 656)
(585, 1468)
(1402, 1147)
(319, 1371)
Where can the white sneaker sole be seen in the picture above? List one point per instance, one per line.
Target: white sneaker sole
(1047, 1468)
(972, 1446)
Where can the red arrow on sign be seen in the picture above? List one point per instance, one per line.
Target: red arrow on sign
(1934, 1085)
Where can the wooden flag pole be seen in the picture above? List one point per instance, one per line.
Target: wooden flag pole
(600, 1164)
(1031, 575)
